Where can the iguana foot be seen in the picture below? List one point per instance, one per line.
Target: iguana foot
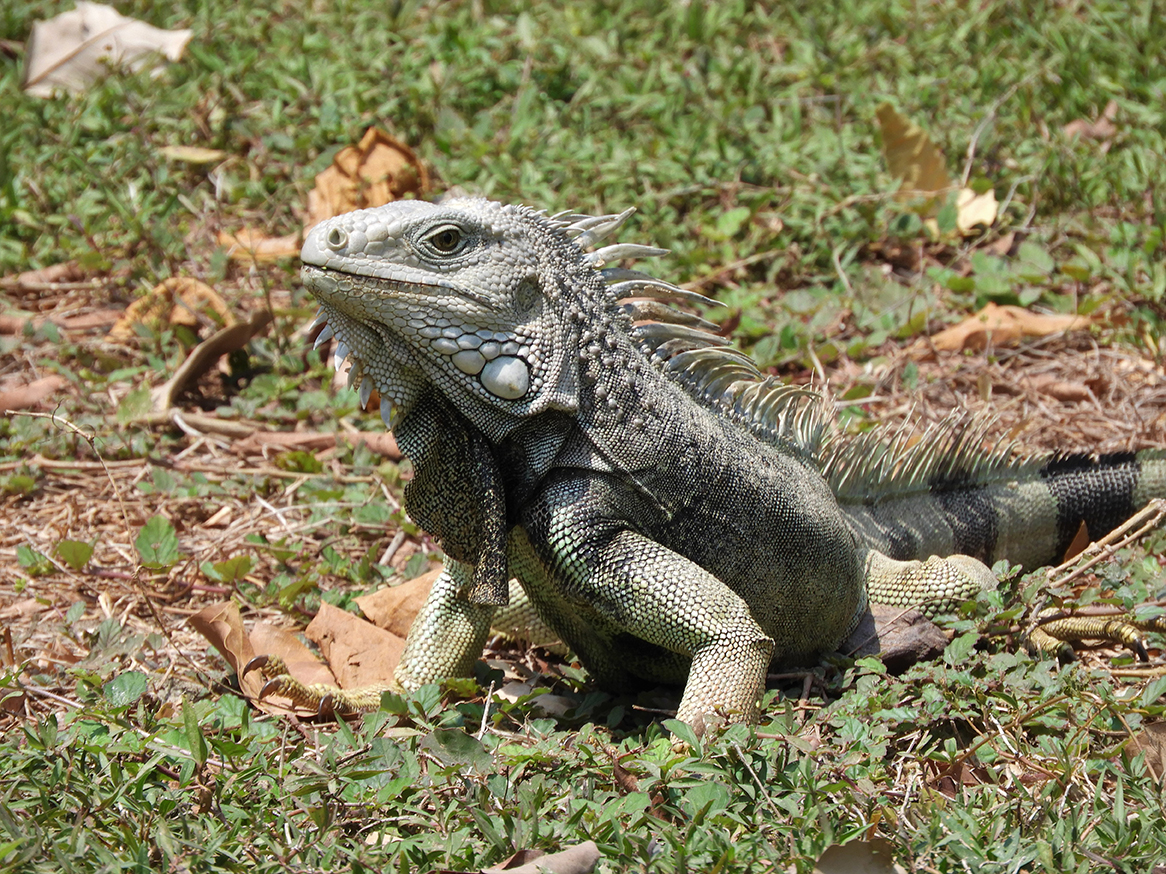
(323, 698)
(1054, 635)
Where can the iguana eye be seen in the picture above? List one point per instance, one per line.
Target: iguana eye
(446, 240)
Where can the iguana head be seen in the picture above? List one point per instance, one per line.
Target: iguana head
(473, 297)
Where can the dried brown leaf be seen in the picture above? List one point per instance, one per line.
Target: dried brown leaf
(252, 245)
(378, 170)
(975, 209)
(29, 396)
(999, 325)
(72, 50)
(193, 154)
(395, 607)
(359, 653)
(1151, 741)
(203, 356)
(859, 857)
(222, 626)
(579, 859)
(179, 300)
(258, 442)
(1102, 129)
(912, 158)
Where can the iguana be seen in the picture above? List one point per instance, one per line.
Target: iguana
(673, 514)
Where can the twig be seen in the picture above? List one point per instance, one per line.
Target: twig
(760, 786)
(1104, 548)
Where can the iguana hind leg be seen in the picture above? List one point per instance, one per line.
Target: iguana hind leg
(934, 586)
(938, 585)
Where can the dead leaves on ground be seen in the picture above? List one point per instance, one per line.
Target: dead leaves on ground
(997, 325)
(921, 169)
(376, 171)
(74, 49)
(578, 859)
(356, 652)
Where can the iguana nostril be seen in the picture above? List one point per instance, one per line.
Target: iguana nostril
(337, 238)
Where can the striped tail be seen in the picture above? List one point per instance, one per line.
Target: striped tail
(949, 497)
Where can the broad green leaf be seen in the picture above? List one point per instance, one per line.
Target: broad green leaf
(157, 543)
(126, 688)
(74, 553)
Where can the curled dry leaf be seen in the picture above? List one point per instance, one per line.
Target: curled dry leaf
(222, 626)
(921, 169)
(179, 300)
(899, 637)
(72, 50)
(859, 857)
(203, 356)
(998, 325)
(911, 157)
(1102, 130)
(579, 859)
(257, 442)
(975, 209)
(251, 245)
(376, 171)
(193, 154)
(1151, 741)
(394, 608)
(36, 280)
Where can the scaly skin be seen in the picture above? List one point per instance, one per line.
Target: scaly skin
(662, 505)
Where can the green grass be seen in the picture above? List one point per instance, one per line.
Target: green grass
(735, 129)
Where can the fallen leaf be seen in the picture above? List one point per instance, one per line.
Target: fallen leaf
(37, 280)
(999, 325)
(31, 395)
(859, 857)
(10, 324)
(378, 170)
(546, 704)
(974, 209)
(204, 355)
(1080, 543)
(179, 300)
(193, 154)
(1151, 741)
(72, 50)
(899, 637)
(1060, 389)
(259, 442)
(23, 608)
(1003, 245)
(359, 653)
(913, 159)
(222, 626)
(394, 608)
(90, 321)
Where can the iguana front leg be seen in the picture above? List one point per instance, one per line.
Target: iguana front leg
(628, 605)
(449, 633)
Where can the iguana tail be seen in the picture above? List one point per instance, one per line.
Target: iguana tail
(945, 495)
